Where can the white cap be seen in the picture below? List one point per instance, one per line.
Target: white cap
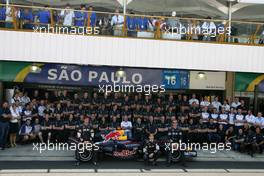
(173, 14)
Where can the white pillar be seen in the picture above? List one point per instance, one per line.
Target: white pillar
(124, 6)
(7, 2)
(229, 17)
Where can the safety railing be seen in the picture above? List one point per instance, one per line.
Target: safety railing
(89, 22)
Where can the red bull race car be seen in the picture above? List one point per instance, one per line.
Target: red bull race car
(116, 145)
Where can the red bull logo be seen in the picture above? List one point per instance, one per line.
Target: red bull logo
(114, 135)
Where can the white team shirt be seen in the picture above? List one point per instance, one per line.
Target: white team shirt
(223, 117)
(217, 105)
(194, 100)
(250, 118)
(126, 124)
(68, 17)
(205, 103)
(239, 117)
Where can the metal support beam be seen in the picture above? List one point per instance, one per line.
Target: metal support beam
(229, 17)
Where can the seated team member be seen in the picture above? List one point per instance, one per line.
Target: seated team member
(216, 104)
(226, 106)
(136, 102)
(58, 109)
(138, 129)
(114, 124)
(205, 103)
(126, 102)
(223, 119)
(170, 114)
(114, 113)
(239, 120)
(102, 112)
(85, 134)
(95, 100)
(221, 133)
(79, 111)
(126, 112)
(68, 109)
(162, 129)
(46, 129)
(194, 99)
(192, 132)
(230, 135)
(174, 136)
(26, 113)
(202, 131)
(184, 104)
(194, 112)
(58, 129)
(151, 127)
(137, 113)
(146, 113)
(250, 118)
(246, 128)
(127, 126)
(170, 103)
(85, 100)
(158, 104)
(116, 101)
(249, 144)
(259, 121)
(151, 150)
(259, 140)
(37, 130)
(106, 101)
(212, 131)
(41, 109)
(231, 117)
(158, 115)
(183, 124)
(76, 100)
(70, 126)
(27, 131)
(103, 127)
(214, 116)
(205, 115)
(48, 110)
(238, 140)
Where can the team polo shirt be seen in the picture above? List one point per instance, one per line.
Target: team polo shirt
(2, 14)
(217, 105)
(126, 124)
(205, 116)
(260, 120)
(250, 118)
(239, 117)
(205, 103)
(223, 117)
(194, 100)
(27, 16)
(44, 17)
(215, 117)
(231, 117)
(80, 17)
(142, 23)
(235, 104)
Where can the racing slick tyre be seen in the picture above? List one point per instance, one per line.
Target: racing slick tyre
(177, 156)
(85, 156)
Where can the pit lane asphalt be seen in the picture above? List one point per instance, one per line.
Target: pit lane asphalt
(110, 163)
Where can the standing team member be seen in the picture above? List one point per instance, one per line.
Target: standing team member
(85, 134)
(14, 123)
(174, 136)
(239, 120)
(5, 116)
(58, 127)
(46, 129)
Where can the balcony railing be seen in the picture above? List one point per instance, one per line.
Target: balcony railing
(89, 22)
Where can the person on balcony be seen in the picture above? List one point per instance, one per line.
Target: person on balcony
(67, 15)
(43, 17)
(131, 25)
(27, 19)
(261, 40)
(91, 17)
(209, 30)
(2, 16)
(10, 13)
(117, 23)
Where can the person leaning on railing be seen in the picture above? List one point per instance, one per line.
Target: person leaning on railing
(117, 23)
(43, 17)
(261, 40)
(27, 19)
(11, 13)
(131, 22)
(2, 16)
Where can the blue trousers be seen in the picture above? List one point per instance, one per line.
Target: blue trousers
(4, 128)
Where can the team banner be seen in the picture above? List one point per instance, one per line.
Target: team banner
(76, 75)
(246, 82)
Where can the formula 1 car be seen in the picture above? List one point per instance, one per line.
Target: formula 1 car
(116, 145)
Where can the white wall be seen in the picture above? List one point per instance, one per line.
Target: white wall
(29, 46)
